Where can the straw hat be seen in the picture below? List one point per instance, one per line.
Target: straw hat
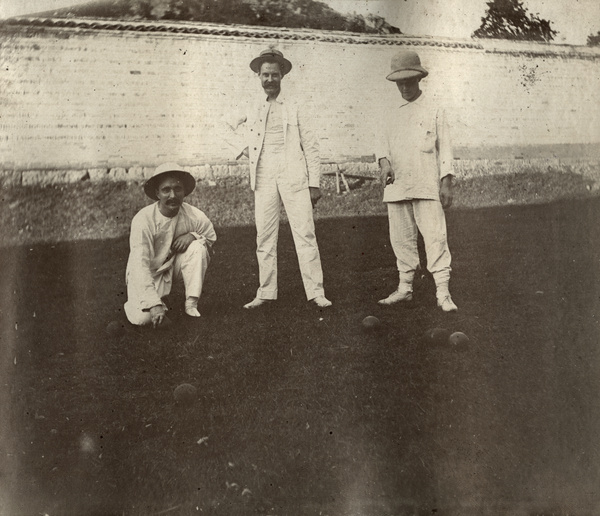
(271, 54)
(406, 65)
(150, 186)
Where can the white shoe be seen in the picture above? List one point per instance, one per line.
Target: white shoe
(322, 302)
(256, 302)
(396, 297)
(446, 304)
(191, 308)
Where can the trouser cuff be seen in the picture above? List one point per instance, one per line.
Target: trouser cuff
(405, 282)
(266, 294)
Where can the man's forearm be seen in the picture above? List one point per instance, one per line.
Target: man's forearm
(384, 164)
(447, 181)
(387, 174)
(446, 194)
(227, 128)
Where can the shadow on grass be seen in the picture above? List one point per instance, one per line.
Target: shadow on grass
(299, 410)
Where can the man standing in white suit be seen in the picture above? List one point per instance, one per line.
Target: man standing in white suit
(284, 167)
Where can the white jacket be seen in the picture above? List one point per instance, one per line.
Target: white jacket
(150, 240)
(416, 141)
(301, 144)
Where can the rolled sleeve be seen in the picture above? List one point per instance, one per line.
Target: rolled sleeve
(381, 151)
(205, 231)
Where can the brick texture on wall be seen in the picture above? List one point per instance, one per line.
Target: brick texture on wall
(87, 99)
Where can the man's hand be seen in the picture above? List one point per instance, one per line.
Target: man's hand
(315, 195)
(446, 194)
(157, 314)
(211, 249)
(181, 243)
(387, 174)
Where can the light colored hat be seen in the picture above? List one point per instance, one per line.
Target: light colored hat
(150, 186)
(271, 54)
(406, 65)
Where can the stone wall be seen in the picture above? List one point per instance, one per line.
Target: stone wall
(83, 99)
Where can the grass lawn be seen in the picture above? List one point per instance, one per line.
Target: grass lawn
(299, 410)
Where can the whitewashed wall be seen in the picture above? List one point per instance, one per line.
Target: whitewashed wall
(80, 98)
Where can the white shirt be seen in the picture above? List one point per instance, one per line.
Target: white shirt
(274, 142)
(415, 140)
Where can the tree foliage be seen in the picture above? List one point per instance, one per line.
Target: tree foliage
(308, 14)
(213, 11)
(508, 19)
(593, 40)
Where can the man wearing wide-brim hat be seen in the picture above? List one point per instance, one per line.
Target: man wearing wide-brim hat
(169, 241)
(415, 158)
(283, 151)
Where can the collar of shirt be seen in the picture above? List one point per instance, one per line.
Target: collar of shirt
(161, 220)
(281, 98)
(417, 102)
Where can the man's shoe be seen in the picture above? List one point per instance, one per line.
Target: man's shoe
(396, 297)
(446, 304)
(322, 302)
(191, 307)
(256, 302)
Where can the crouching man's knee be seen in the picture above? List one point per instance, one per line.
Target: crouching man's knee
(197, 250)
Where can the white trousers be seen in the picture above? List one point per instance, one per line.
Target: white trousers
(189, 267)
(271, 190)
(406, 218)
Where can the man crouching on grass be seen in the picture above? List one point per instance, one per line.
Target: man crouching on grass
(169, 240)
